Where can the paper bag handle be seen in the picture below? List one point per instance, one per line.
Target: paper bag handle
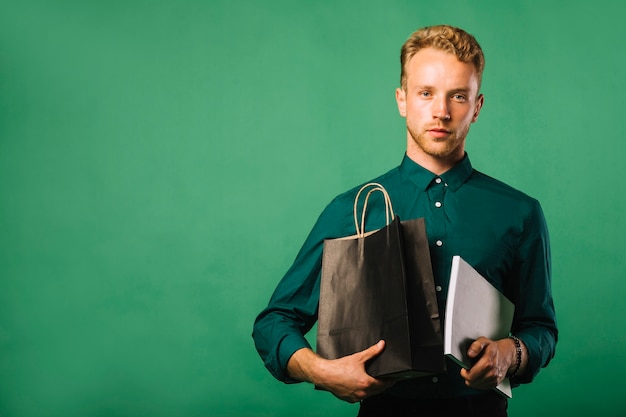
(360, 228)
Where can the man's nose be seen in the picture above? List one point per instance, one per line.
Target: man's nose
(441, 109)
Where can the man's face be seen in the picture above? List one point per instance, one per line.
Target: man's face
(440, 103)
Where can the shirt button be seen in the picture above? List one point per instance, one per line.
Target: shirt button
(438, 180)
(438, 288)
(435, 379)
(438, 204)
(439, 243)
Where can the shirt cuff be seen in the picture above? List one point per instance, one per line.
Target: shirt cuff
(288, 346)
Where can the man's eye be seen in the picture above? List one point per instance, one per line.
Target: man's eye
(459, 97)
(425, 93)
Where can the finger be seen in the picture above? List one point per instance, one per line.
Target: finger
(373, 351)
(481, 377)
(476, 347)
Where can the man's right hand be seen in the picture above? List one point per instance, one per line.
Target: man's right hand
(344, 377)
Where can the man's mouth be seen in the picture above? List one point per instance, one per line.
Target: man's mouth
(439, 133)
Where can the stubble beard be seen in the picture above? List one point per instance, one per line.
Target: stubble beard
(438, 148)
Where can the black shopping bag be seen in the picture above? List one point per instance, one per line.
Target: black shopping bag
(379, 285)
(425, 328)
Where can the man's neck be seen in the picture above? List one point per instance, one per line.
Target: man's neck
(434, 164)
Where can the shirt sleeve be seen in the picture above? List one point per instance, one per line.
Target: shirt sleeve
(535, 318)
(279, 329)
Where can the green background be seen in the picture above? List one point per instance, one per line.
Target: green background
(162, 162)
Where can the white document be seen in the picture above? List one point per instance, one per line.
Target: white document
(474, 308)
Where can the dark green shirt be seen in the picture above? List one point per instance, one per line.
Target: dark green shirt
(497, 229)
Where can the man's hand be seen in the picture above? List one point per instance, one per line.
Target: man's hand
(344, 377)
(494, 360)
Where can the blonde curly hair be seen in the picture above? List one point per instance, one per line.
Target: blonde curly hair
(446, 38)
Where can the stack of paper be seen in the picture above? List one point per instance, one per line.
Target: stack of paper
(474, 308)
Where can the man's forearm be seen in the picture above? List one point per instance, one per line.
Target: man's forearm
(303, 365)
(345, 377)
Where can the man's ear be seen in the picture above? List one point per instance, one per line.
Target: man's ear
(479, 105)
(401, 101)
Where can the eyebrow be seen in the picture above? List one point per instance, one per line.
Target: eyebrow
(453, 90)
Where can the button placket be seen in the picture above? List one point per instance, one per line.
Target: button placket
(439, 215)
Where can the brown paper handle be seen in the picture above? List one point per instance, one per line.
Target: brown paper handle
(360, 229)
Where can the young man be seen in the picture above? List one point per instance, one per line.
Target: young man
(500, 231)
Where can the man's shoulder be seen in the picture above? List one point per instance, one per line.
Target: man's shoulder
(499, 189)
(389, 179)
(343, 204)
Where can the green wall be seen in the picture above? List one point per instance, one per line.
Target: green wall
(162, 162)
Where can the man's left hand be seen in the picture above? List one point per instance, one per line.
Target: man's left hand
(493, 360)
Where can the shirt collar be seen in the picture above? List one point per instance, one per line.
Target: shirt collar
(423, 178)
